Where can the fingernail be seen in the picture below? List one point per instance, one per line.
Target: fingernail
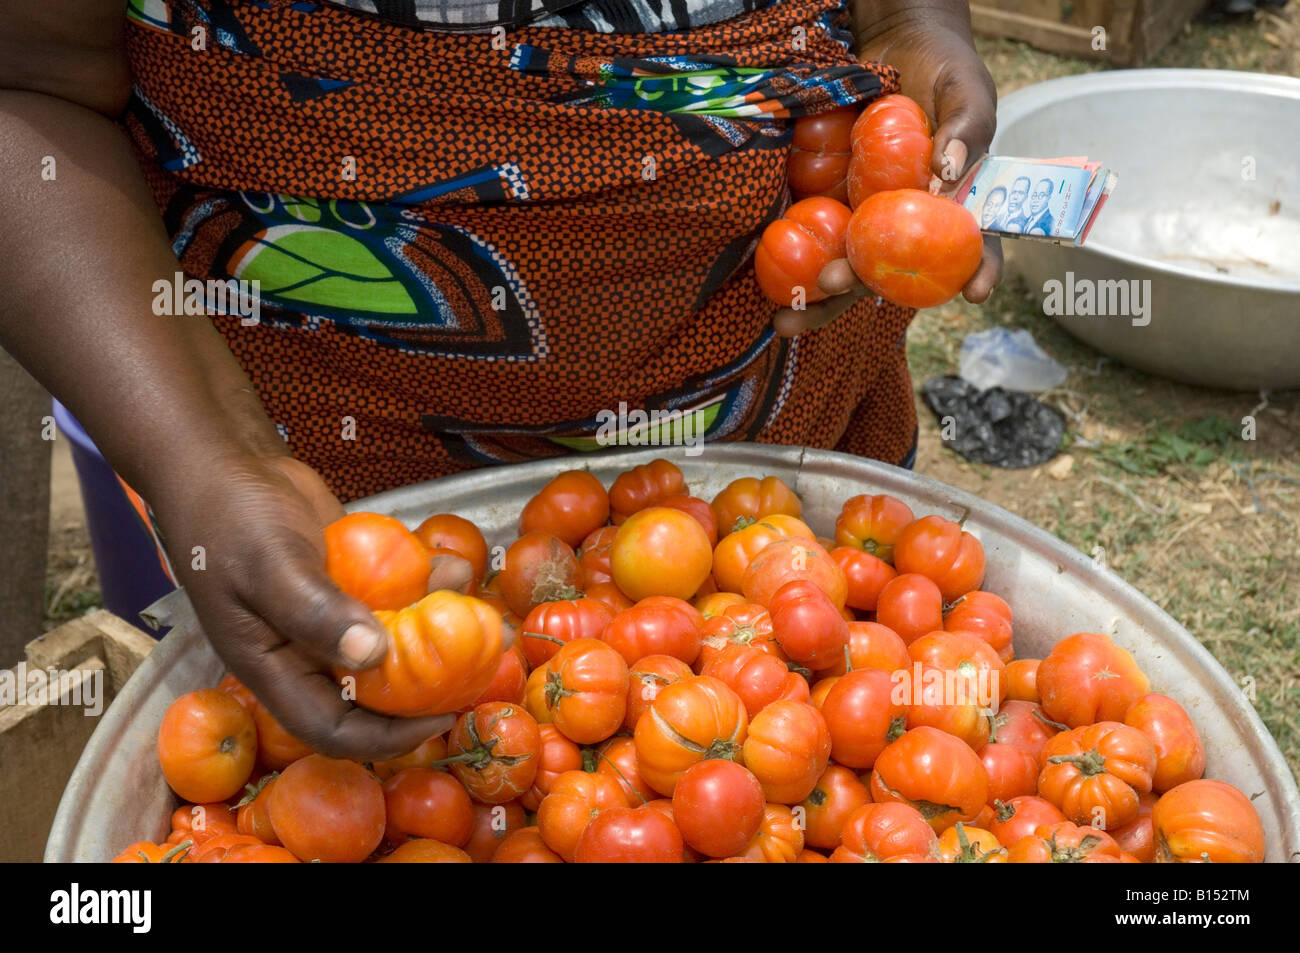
(936, 185)
(360, 643)
(954, 160)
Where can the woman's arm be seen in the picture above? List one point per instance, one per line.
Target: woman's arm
(162, 396)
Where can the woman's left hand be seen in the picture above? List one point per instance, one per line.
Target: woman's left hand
(932, 48)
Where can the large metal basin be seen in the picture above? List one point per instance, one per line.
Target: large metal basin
(1207, 210)
(117, 794)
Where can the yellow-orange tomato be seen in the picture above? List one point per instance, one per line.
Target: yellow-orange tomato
(421, 850)
(535, 694)
(749, 499)
(206, 745)
(660, 552)
(688, 721)
(1022, 679)
(716, 602)
(376, 559)
(960, 844)
(443, 652)
(787, 749)
(576, 798)
(786, 560)
(737, 550)
(1207, 821)
(872, 524)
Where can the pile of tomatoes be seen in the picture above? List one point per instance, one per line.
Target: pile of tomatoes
(862, 180)
(648, 676)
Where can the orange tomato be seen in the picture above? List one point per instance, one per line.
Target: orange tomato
(455, 534)
(1180, 755)
(749, 499)
(660, 551)
(586, 690)
(787, 560)
(375, 559)
(327, 809)
(1087, 678)
(1207, 821)
(576, 798)
(736, 551)
(787, 748)
(688, 721)
(645, 485)
(207, 745)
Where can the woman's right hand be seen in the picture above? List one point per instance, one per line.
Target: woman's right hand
(270, 611)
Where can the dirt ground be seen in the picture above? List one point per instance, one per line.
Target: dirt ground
(1156, 473)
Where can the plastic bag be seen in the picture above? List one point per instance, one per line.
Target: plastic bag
(1000, 357)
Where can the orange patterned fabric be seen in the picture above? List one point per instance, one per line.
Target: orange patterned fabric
(468, 250)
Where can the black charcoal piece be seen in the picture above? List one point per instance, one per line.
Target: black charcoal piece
(1000, 428)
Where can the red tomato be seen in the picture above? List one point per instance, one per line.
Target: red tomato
(749, 499)
(1088, 678)
(698, 510)
(758, 677)
(570, 507)
(1064, 843)
(493, 823)
(1022, 679)
(1021, 816)
(511, 677)
(826, 810)
(421, 802)
(430, 750)
(201, 822)
(795, 248)
(657, 625)
(377, 560)
(660, 552)
(1180, 756)
(787, 749)
(593, 555)
(646, 678)
(328, 809)
(1012, 772)
(943, 552)
(886, 833)
(864, 575)
(455, 534)
(936, 773)
(915, 249)
(493, 751)
(1207, 822)
(538, 568)
(717, 806)
(872, 524)
(911, 605)
(1137, 837)
(206, 745)
(645, 485)
(863, 717)
(986, 615)
(611, 595)
(807, 624)
(552, 625)
(556, 755)
(820, 153)
(617, 757)
(625, 835)
(779, 839)
(960, 844)
(239, 691)
(1023, 725)
(891, 149)
(740, 624)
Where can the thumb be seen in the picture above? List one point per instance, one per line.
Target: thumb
(965, 106)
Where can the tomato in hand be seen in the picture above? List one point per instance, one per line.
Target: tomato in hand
(749, 499)
(1087, 678)
(571, 507)
(717, 806)
(207, 744)
(376, 559)
(912, 248)
(891, 148)
(795, 248)
(660, 552)
(943, 552)
(328, 809)
(819, 154)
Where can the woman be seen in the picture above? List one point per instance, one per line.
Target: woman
(474, 227)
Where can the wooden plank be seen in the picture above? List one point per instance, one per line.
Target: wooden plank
(25, 510)
(1136, 30)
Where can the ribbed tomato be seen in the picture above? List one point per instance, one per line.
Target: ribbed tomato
(749, 499)
(787, 749)
(891, 148)
(689, 721)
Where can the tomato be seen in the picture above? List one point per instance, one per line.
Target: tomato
(657, 625)
(216, 849)
(1207, 821)
(660, 552)
(570, 507)
(492, 824)
(1023, 725)
(328, 809)
(795, 248)
(872, 524)
(698, 510)
(915, 249)
(808, 625)
(446, 531)
(576, 798)
(960, 844)
(201, 822)
(535, 694)
(837, 795)
(689, 721)
(819, 154)
(1022, 679)
(1137, 837)
(986, 615)
(147, 852)
(443, 652)
(424, 851)
(1180, 755)
(807, 856)
(787, 749)
(617, 757)
(276, 748)
(239, 691)
(586, 690)
(493, 751)
(779, 839)
(1021, 816)
(736, 550)
(717, 806)
(891, 148)
(884, 833)
(525, 846)
(254, 814)
(422, 802)
(1011, 770)
(377, 560)
(740, 624)
(538, 568)
(1064, 843)
(911, 605)
(593, 555)
(817, 697)
(207, 745)
(936, 773)
(786, 560)
(715, 602)
(862, 716)
(750, 499)
(864, 576)
(551, 625)
(1094, 774)
(258, 854)
(949, 700)
(429, 751)
(646, 678)
(611, 595)
(556, 754)
(508, 683)
(758, 677)
(645, 485)
(1087, 678)
(871, 645)
(628, 836)
(944, 553)
(968, 655)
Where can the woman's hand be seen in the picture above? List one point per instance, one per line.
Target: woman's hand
(931, 46)
(270, 611)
